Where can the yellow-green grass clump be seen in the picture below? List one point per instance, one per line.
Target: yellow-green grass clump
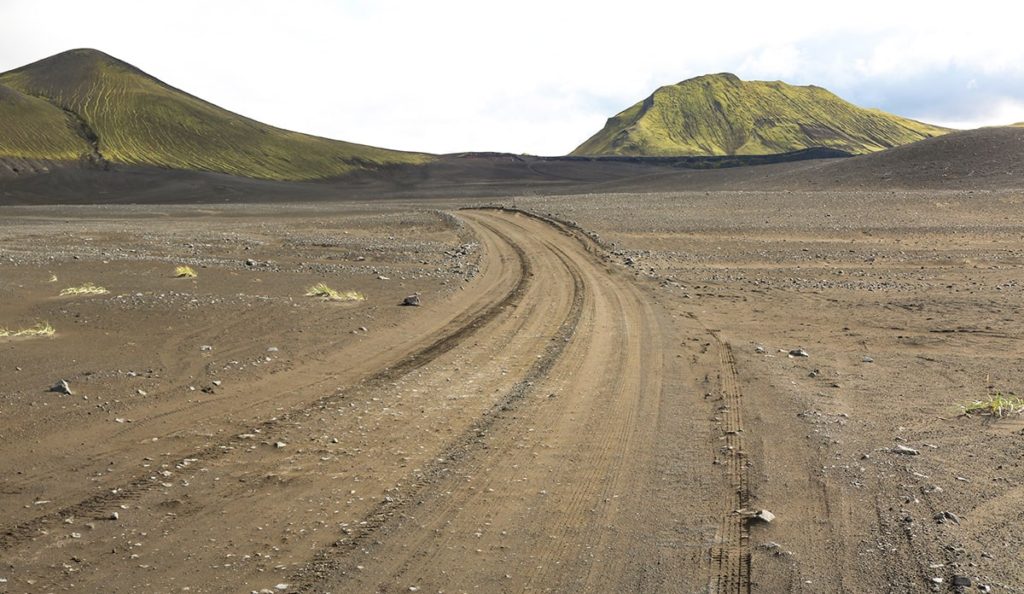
(322, 290)
(85, 289)
(185, 272)
(84, 103)
(40, 329)
(996, 405)
(719, 114)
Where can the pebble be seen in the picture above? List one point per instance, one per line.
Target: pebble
(205, 348)
(272, 349)
(867, 360)
(961, 580)
(413, 300)
(280, 444)
(904, 450)
(799, 352)
(62, 387)
(113, 516)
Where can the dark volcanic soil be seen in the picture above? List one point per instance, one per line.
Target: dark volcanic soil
(590, 409)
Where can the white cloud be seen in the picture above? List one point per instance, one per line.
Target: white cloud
(529, 76)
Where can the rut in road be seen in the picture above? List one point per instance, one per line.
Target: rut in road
(730, 555)
(596, 480)
(335, 558)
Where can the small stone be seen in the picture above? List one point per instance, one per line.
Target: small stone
(412, 300)
(363, 329)
(904, 450)
(281, 587)
(759, 349)
(140, 392)
(272, 349)
(764, 516)
(942, 516)
(799, 352)
(937, 580)
(867, 359)
(217, 383)
(280, 444)
(113, 516)
(250, 262)
(62, 387)
(961, 581)
(205, 348)
(76, 535)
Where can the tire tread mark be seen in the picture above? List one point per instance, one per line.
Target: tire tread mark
(331, 560)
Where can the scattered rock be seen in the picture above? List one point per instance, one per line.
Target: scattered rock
(280, 444)
(205, 348)
(799, 352)
(763, 516)
(281, 587)
(937, 580)
(62, 387)
(904, 450)
(942, 516)
(250, 262)
(867, 359)
(272, 349)
(113, 516)
(217, 383)
(413, 300)
(759, 348)
(961, 581)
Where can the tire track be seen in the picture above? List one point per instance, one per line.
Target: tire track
(335, 559)
(15, 535)
(729, 571)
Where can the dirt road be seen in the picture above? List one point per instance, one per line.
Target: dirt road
(546, 429)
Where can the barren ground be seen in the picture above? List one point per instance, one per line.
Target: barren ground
(560, 415)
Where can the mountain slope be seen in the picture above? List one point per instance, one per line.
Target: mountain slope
(720, 114)
(34, 128)
(115, 112)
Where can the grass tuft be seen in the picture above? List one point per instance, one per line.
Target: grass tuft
(85, 289)
(997, 405)
(322, 290)
(185, 272)
(40, 329)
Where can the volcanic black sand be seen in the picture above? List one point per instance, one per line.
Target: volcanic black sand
(601, 399)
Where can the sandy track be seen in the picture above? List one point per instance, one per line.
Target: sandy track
(543, 431)
(590, 478)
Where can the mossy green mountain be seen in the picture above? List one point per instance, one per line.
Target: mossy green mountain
(84, 104)
(719, 114)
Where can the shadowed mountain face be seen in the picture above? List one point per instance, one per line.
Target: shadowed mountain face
(720, 114)
(84, 104)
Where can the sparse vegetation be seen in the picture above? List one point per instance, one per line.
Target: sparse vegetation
(996, 405)
(185, 272)
(325, 292)
(85, 289)
(40, 329)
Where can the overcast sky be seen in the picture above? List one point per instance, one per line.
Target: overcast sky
(533, 76)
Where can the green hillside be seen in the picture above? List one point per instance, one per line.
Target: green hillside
(720, 114)
(34, 128)
(84, 103)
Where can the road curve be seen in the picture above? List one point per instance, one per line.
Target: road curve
(546, 431)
